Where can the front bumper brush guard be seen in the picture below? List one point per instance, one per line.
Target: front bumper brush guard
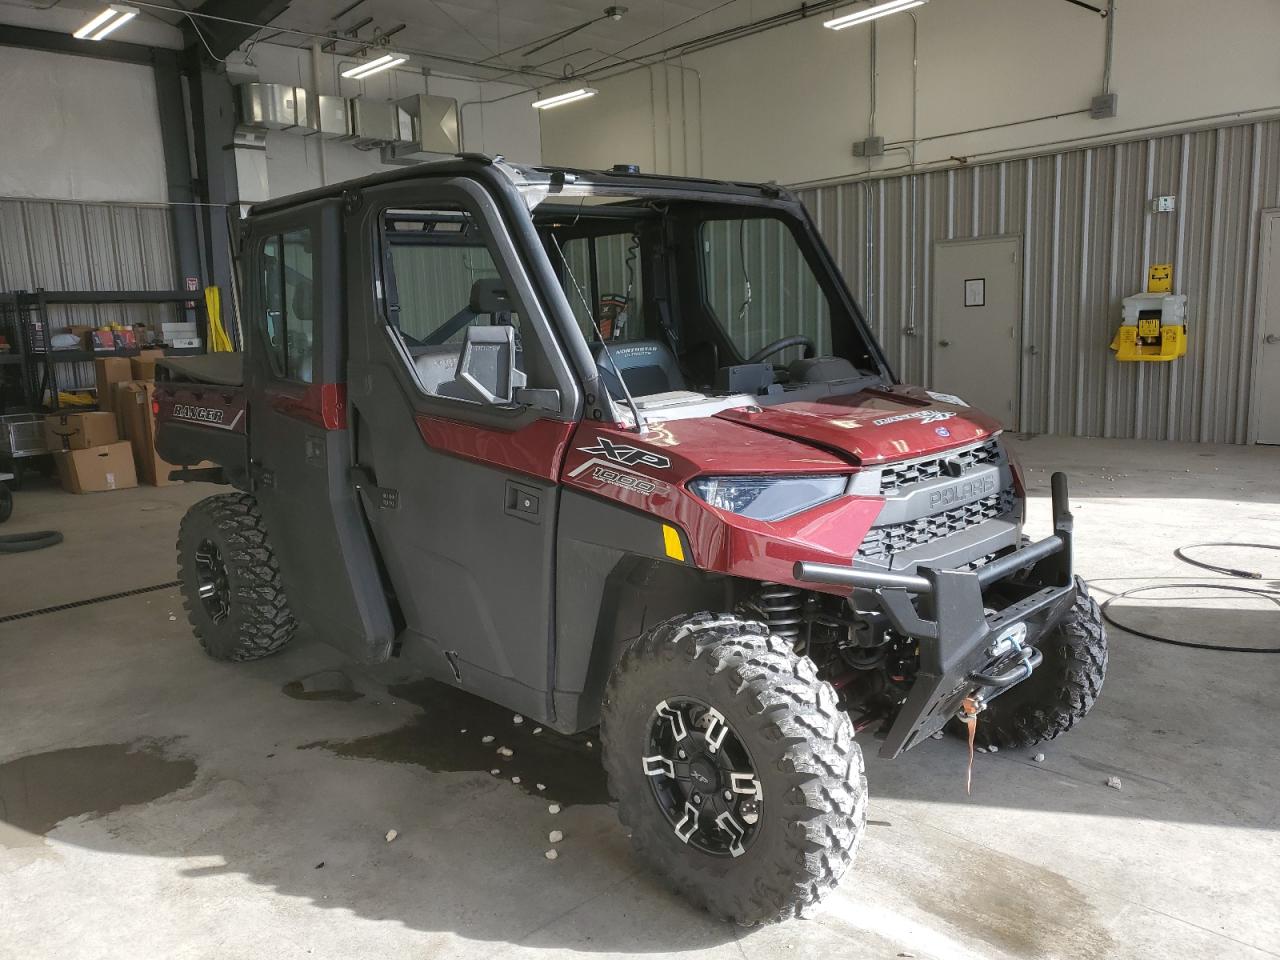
(944, 611)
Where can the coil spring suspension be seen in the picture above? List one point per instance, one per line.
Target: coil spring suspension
(781, 607)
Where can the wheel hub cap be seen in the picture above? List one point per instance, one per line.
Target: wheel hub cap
(212, 582)
(703, 777)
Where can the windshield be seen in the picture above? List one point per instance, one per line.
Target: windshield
(698, 293)
(760, 288)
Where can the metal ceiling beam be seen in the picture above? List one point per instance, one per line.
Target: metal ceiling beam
(55, 42)
(221, 37)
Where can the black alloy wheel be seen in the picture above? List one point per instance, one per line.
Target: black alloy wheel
(212, 585)
(703, 777)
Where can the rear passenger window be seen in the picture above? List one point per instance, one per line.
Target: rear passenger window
(287, 320)
(441, 279)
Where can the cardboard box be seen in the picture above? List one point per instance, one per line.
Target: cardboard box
(108, 467)
(140, 429)
(118, 401)
(143, 366)
(110, 371)
(79, 431)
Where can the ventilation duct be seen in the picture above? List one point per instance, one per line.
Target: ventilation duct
(429, 124)
(273, 106)
(414, 127)
(333, 117)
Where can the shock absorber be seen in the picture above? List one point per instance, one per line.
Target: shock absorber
(780, 606)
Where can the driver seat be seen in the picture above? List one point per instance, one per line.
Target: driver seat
(647, 367)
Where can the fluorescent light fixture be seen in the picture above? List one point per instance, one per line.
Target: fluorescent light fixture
(872, 13)
(115, 16)
(369, 68)
(560, 99)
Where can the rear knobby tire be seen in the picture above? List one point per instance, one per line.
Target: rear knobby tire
(814, 787)
(1062, 690)
(255, 620)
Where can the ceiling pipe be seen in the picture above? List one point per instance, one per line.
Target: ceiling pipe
(313, 104)
(1110, 14)
(323, 37)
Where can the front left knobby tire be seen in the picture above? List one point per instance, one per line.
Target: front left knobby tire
(714, 697)
(231, 585)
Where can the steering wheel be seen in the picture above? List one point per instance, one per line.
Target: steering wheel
(769, 349)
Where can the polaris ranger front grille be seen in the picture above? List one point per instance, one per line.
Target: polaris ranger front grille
(881, 543)
(954, 464)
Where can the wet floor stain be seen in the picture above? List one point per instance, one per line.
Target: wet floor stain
(567, 767)
(1016, 906)
(325, 685)
(40, 790)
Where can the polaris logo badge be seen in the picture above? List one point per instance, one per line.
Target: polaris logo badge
(628, 455)
(188, 411)
(962, 492)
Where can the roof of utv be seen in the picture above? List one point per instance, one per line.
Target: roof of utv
(520, 174)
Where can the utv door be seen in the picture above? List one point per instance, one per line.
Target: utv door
(461, 483)
(299, 442)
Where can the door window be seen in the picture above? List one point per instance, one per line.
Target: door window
(442, 279)
(287, 319)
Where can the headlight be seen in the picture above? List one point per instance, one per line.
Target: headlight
(768, 498)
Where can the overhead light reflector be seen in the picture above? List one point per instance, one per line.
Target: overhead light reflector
(370, 67)
(872, 13)
(560, 99)
(113, 18)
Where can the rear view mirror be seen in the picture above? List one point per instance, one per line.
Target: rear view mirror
(487, 367)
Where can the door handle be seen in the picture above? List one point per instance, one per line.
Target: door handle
(944, 343)
(523, 502)
(1271, 338)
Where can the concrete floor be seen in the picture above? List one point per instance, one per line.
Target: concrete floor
(156, 803)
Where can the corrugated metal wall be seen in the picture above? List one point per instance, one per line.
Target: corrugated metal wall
(62, 245)
(1088, 236)
(68, 245)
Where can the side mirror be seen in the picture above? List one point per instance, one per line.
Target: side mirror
(487, 367)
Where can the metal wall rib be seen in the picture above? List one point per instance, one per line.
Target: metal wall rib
(72, 245)
(1088, 233)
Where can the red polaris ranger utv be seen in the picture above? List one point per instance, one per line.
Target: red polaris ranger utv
(616, 449)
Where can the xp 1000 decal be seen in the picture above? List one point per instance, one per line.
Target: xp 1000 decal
(612, 463)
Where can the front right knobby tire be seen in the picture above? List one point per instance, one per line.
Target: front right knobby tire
(257, 621)
(814, 786)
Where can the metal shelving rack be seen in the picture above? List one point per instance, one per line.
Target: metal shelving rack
(13, 326)
(40, 363)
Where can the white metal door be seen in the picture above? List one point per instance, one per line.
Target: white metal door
(1267, 378)
(977, 306)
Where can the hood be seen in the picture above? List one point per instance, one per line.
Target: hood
(873, 426)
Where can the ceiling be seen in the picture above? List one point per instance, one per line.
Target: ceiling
(494, 39)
